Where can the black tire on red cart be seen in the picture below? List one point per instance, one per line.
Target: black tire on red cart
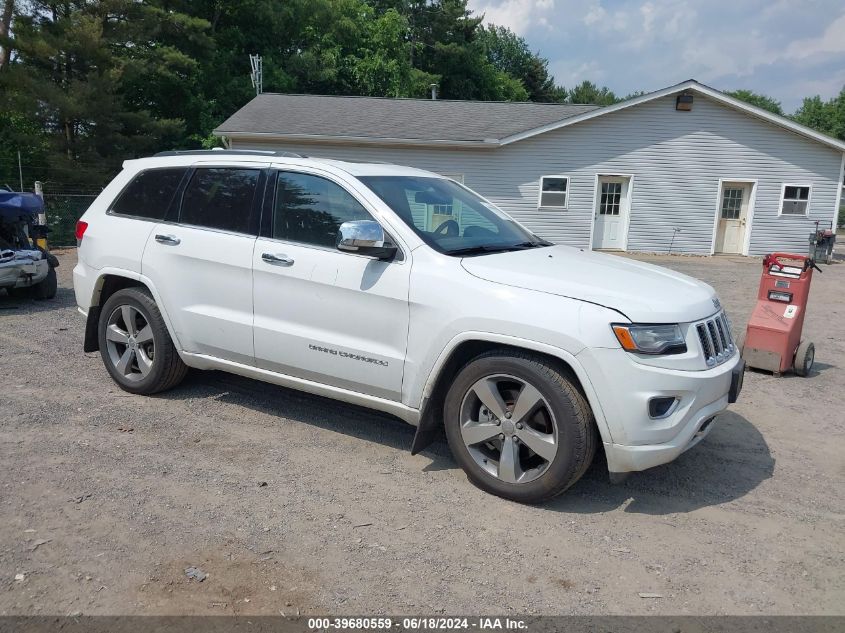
(805, 356)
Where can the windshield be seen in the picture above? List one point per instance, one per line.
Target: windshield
(450, 218)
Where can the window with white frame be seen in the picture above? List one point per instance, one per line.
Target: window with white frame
(795, 200)
(554, 191)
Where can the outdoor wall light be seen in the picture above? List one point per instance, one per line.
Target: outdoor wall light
(684, 102)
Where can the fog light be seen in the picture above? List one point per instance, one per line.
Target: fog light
(661, 407)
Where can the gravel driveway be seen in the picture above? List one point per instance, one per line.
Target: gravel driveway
(295, 503)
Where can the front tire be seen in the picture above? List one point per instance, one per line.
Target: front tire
(518, 426)
(135, 345)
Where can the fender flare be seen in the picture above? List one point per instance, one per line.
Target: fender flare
(134, 276)
(430, 420)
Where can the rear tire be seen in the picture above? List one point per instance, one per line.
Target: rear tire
(47, 287)
(504, 404)
(805, 357)
(135, 345)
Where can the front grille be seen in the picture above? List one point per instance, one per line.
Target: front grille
(716, 340)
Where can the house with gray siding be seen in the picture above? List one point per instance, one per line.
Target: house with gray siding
(687, 168)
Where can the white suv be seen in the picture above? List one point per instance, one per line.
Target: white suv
(404, 291)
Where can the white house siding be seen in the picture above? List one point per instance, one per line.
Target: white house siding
(676, 158)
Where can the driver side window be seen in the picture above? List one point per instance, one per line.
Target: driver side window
(310, 209)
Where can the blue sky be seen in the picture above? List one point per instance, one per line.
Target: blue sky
(785, 49)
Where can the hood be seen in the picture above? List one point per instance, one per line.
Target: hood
(642, 292)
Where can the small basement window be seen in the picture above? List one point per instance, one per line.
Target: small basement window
(554, 191)
(795, 200)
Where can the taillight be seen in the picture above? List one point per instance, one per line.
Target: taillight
(80, 231)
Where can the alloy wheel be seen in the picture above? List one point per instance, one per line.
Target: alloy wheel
(129, 342)
(509, 428)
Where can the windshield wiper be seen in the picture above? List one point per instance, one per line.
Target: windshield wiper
(478, 250)
(533, 244)
(502, 248)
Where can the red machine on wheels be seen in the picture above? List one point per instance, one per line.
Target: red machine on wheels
(773, 338)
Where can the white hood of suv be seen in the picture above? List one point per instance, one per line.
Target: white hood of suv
(642, 292)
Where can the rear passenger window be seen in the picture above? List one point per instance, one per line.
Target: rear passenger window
(150, 194)
(310, 209)
(220, 198)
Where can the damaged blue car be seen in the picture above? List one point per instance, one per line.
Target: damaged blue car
(26, 268)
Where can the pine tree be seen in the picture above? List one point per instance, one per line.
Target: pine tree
(101, 81)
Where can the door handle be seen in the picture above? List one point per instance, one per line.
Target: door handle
(271, 258)
(170, 240)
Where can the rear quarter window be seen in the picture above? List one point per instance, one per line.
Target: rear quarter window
(150, 193)
(220, 198)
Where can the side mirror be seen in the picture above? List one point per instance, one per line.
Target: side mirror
(365, 237)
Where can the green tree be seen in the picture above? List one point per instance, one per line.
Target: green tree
(827, 117)
(588, 92)
(88, 74)
(757, 99)
(445, 48)
(382, 66)
(20, 133)
(509, 53)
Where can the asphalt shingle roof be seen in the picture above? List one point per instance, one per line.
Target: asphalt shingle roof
(381, 118)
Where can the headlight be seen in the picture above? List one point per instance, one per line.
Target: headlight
(650, 339)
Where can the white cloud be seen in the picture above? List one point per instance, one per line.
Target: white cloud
(763, 45)
(831, 41)
(647, 11)
(518, 15)
(572, 73)
(596, 14)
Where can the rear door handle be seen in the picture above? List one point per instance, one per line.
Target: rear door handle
(272, 258)
(170, 240)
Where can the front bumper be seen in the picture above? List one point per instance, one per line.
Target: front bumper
(624, 388)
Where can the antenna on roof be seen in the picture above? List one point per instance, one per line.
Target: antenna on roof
(256, 75)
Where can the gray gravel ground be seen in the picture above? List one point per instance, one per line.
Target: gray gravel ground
(107, 497)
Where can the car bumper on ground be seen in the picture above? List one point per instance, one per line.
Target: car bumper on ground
(624, 388)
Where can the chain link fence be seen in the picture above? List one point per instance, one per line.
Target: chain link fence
(63, 210)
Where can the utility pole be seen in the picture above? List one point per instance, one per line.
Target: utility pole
(20, 170)
(257, 73)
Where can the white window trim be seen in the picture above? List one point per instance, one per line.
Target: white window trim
(540, 204)
(806, 213)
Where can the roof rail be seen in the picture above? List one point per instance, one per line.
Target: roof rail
(228, 152)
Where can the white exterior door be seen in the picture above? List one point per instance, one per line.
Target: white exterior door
(208, 297)
(322, 314)
(612, 207)
(201, 264)
(733, 217)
